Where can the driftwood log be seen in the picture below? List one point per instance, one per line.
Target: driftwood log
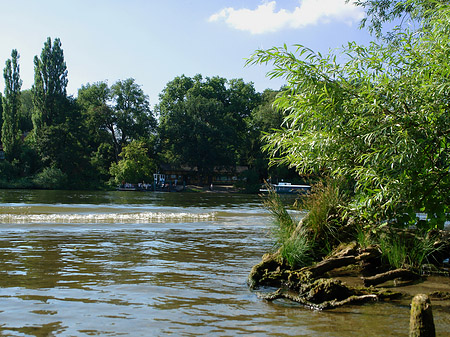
(342, 260)
(314, 286)
(405, 274)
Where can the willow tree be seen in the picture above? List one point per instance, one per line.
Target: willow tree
(11, 106)
(376, 116)
(135, 165)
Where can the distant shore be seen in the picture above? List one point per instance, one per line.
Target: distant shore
(212, 189)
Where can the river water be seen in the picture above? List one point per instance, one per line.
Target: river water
(154, 264)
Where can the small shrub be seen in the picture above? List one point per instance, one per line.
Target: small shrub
(51, 178)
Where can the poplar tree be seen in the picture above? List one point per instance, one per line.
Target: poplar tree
(56, 117)
(1, 114)
(50, 83)
(11, 106)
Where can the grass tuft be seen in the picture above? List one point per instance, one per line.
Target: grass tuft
(405, 251)
(294, 245)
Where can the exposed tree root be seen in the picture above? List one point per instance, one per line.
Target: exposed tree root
(354, 299)
(390, 275)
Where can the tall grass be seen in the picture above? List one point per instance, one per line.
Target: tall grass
(323, 220)
(291, 241)
(283, 225)
(296, 250)
(363, 237)
(405, 251)
(300, 242)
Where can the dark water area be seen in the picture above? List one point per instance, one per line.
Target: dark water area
(154, 264)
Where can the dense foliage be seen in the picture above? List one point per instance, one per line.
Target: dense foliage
(136, 164)
(378, 120)
(202, 121)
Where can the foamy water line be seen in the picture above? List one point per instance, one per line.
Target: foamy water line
(142, 217)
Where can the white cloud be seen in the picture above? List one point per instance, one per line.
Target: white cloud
(266, 19)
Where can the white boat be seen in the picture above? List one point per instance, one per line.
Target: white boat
(127, 187)
(287, 188)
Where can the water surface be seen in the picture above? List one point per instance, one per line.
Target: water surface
(153, 264)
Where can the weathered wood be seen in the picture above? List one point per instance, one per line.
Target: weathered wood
(390, 275)
(262, 272)
(421, 322)
(440, 295)
(339, 261)
(332, 263)
(280, 293)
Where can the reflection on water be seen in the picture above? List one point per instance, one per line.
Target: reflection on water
(82, 263)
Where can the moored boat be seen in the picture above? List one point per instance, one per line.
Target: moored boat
(287, 188)
(127, 187)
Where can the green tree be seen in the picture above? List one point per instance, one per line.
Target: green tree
(26, 111)
(265, 118)
(94, 100)
(409, 12)
(50, 83)
(132, 117)
(114, 117)
(99, 126)
(57, 120)
(202, 121)
(380, 120)
(242, 98)
(135, 165)
(11, 106)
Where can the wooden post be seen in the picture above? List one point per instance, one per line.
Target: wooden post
(421, 323)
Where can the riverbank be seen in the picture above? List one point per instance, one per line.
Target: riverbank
(213, 189)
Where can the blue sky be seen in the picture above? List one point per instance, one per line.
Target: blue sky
(154, 41)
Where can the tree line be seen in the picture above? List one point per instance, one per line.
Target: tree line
(109, 133)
